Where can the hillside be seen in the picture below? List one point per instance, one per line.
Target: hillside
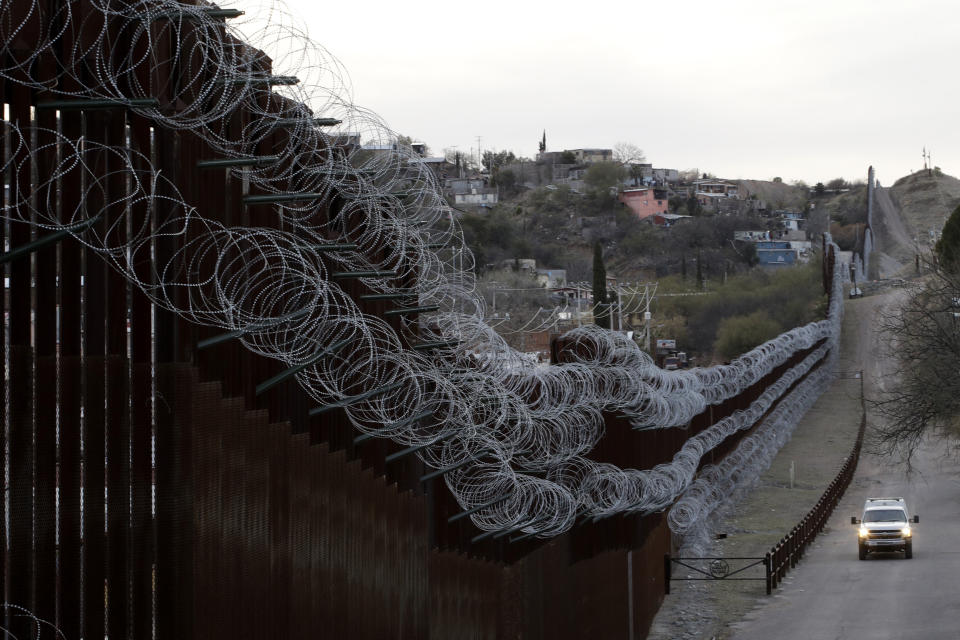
(777, 195)
(925, 200)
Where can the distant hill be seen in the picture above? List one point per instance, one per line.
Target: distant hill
(925, 200)
(777, 195)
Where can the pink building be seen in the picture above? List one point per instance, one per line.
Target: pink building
(645, 201)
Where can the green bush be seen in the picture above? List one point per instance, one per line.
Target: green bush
(740, 334)
(791, 297)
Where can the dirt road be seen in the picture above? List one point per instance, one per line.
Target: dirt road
(832, 594)
(816, 451)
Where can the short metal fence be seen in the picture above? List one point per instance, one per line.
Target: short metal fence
(785, 554)
(704, 568)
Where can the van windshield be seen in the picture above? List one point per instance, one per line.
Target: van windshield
(885, 515)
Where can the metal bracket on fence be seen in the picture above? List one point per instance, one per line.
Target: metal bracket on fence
(428, 346)
(393, 457)
(388, 296)
(453, 467)
(525, 536)
(261, 161)
(357, 398)
(316, 122)
(340, 275)
(230, 335)
(268, 80)
(480, 507)
(341, 246)
(50, 238)
(99, 103)
(513, 530)
(212, 12)
(273, 198)
(400, 312)
(292, 371)
(395, 425)
(482, 536)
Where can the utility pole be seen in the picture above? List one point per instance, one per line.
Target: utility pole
(646, 317)
(579, 321)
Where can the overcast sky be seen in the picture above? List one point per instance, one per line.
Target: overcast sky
(808, 90)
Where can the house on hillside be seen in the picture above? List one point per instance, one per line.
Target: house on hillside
(665, 219)
(463, 185)
(552, 278)
(529, 265)
(591, 156)
(645, 201)
(710, 193)
(790, 220)
(751, 236)
(486, 197)
(666, 176)
(438, 166)
(776, 253)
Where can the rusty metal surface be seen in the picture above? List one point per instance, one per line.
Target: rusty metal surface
(268, 523)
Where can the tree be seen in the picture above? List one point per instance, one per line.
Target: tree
(603, 176)
(819, 189)
(627, 153)
(948, 246)
(514, 301)
(601, 310)
(837, 184)
(922, 398)
(675, 202)
(699, 272)
(493, 160)
(507, 180)
(693, 206)
(739, 334)
(567, 157)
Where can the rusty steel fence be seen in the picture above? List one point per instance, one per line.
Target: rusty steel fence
(785, 555)
(152, 491)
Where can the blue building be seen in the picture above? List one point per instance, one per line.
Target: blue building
(776, 257)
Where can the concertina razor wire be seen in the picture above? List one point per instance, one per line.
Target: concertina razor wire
(515, 435)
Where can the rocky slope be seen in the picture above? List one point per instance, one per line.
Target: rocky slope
(925, 199)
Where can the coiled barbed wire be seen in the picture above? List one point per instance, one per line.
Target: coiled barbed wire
(515, 435)
(39, 629)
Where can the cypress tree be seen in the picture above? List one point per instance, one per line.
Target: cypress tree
(699, 272)
(948, 246)
(601, 311)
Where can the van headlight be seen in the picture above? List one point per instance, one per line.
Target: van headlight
(906, 532)
(863, 532)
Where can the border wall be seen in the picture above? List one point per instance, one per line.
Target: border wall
(152, 493)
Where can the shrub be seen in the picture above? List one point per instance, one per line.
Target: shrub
(740, 334)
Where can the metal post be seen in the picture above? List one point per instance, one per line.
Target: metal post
(666, 573)
(766, 564)
(646, 317)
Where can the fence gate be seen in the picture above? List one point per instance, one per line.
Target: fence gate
(706, 568)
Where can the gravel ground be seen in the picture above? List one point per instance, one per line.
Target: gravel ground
(817, 449)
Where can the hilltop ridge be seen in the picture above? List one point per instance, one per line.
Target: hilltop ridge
(925, 200)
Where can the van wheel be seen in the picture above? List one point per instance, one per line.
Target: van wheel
(908, 551)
